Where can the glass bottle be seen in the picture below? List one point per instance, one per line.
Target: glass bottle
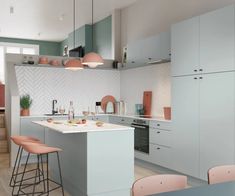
(71, 111)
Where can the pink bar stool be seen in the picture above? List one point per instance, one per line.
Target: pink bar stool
(40, 150)
(18, 140)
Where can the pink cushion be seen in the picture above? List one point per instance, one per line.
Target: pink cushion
(158, 184)
(221, 174)
(19, 139)
(39, 149)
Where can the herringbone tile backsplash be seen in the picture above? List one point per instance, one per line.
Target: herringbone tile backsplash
(83, 87)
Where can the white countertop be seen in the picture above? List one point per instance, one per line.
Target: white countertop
(90, 126)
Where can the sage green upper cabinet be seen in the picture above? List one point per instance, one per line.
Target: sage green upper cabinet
(204, 44)
(149, 51)
(185, 47)
(217, 40)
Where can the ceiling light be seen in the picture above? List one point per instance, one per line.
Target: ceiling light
(11, 10)
(74, 64)
(92, 59)
(61, 18)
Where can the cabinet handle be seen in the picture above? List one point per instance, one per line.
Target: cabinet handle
(195, 70)
(149, 59)
(200, 69)
(200, 78)
(158, 148)
(158, 125)
(132, 61)
(195, 78)
(158, 132)
(123, 120)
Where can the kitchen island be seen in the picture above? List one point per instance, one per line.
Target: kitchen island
(97, 161)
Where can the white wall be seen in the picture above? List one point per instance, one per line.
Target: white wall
(155, 78)
(83, 87)
(150, 17)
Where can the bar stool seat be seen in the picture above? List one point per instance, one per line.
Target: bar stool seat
(39, 149)
(19, 139)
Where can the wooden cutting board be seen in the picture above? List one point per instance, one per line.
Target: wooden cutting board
(147, 102)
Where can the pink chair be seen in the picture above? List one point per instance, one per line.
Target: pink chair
(158, 184)
(221, 174)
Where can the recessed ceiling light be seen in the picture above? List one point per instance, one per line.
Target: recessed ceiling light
(11, 10)
(61, 17)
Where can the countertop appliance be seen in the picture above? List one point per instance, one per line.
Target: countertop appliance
(141, 135)
(110, 108)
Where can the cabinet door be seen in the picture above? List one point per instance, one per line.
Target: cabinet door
(217, 40)
(216, 121)
(185, 47)
(185, 125)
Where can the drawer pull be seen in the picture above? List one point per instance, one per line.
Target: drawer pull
(158, 125)
(123, 120)
(158, 132)
(158, 148)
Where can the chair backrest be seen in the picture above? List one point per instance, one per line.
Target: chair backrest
(223, 173)
(158, 184)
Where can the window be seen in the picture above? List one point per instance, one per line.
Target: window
(14, 48)
(31, 51)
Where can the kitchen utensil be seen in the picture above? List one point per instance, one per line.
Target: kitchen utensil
(105, 100)
(43, 60)
(54, 62)
(139, 109)
(98, 107)
(110, 108)
(120, 108)
(167, 113)
(147, 102)
(99, 124)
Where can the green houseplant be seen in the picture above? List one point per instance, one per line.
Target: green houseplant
(25, 104)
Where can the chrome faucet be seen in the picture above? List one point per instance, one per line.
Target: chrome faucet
(53, 107)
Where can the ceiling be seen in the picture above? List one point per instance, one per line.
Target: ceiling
(51, 20)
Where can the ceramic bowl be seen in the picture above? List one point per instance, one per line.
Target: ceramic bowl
(43, 60)
(54, 62)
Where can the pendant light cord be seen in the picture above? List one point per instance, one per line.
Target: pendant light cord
(92, 24)
(74, 25)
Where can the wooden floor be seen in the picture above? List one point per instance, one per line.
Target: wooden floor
(5, 173)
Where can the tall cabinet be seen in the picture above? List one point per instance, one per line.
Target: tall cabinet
(203, 97)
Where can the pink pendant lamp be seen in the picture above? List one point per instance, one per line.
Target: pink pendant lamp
(74, 64)
(92, 59)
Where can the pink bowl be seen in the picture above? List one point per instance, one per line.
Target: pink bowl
(54, 62)
(43, 60)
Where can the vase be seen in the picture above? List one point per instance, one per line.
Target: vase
(24, 112)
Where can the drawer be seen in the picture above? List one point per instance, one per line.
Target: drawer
(160, 155)
(160, 125)
(162, 137)
(120, 120)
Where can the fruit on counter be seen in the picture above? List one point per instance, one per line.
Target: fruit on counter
(49, 120)
(77, 121)
(99, 123)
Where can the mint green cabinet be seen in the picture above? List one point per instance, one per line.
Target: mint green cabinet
(149, 51)
(28, 128)
(204, 44)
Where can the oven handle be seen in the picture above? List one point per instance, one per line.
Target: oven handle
(138, 126)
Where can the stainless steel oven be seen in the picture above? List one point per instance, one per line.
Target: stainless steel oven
(141, 135)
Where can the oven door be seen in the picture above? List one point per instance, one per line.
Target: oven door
(141, 137)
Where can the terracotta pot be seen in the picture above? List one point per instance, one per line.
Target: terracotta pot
(24, 112)
(167, 113)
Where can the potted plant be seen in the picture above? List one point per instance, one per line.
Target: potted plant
(25, 103)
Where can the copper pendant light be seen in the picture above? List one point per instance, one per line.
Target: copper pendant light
(74, 64)
(92, 59)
